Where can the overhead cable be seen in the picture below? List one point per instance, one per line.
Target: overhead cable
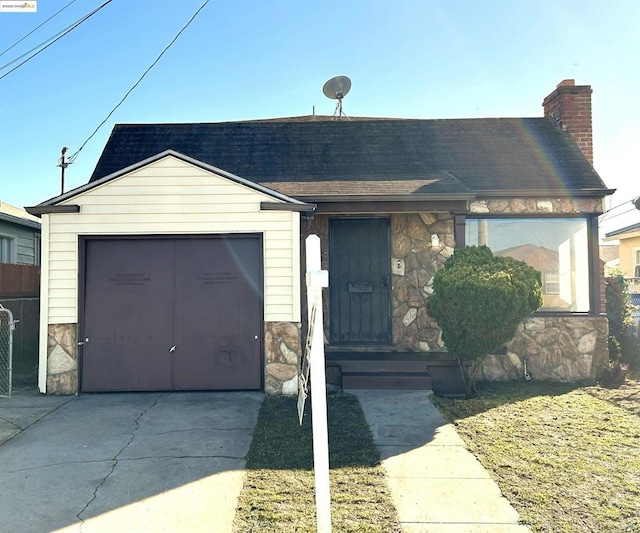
(56, 38)
(36, 28)
(73, 157)
(606, 214)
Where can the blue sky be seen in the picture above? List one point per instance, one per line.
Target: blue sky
(247, 59)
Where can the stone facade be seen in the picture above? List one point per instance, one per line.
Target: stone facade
(62, 359)
(530, 206)
(282, 349)
(572, 349)
(415, 260)
(558, 348)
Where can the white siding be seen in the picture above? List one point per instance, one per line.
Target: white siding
(172, 197)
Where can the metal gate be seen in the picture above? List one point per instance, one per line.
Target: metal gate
(7, 326)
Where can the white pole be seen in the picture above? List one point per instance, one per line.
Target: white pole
(316, 280)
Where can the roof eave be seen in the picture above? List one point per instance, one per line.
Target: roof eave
(20, 221)
(546, 193)
(325, 198)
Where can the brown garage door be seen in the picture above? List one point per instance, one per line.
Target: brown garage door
(172, 314)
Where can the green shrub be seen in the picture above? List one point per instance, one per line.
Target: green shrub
(478, 301)
(626, 348)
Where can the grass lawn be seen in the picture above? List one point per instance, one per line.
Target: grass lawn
(566, 457)
(278, 492)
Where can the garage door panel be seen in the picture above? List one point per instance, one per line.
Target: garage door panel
(128, 316)
(218, 300)
(202, 296)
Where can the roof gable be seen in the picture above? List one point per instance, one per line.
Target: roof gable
(481, 155)
(70, 195)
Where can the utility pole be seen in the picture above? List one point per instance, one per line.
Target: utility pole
(63, 163)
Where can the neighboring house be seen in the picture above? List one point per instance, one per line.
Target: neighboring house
(629, 251)
(610, 256)
(178, 265)
(629, 265)
(19, 236)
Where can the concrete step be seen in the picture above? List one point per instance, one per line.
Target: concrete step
(377, 366)
(391, 380)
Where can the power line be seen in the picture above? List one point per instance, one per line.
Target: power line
(604, 217)
(73, 157)
(606, 214)
(59, 36)
(36, 28)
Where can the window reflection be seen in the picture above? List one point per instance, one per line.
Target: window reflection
(556, 247)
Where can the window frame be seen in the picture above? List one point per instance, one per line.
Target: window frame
(12, 249)
(635, 262)
(593, 267)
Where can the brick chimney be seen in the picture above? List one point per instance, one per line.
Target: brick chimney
(570, 105)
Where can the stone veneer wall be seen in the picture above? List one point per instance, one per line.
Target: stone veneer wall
(415, 261)
(282, 349)
(529, 206)
(560, 348)
(556, 348)
(62, 359)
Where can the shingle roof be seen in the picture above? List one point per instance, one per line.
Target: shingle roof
(452, 156)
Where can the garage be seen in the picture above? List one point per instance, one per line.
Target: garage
(171, 313)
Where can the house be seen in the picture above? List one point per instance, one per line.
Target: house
(177, 266)
(19, 236)
(629, 252)
(610, 256)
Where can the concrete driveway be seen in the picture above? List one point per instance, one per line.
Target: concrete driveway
(123, 462)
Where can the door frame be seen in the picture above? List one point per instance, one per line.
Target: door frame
(389, 316)
(82, 282)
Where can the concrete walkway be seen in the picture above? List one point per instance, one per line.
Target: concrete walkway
(437, 485)
(123, 462)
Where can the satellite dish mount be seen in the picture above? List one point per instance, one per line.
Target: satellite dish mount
(336, 89)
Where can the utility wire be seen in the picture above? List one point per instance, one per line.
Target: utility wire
(623, 204)
(73, 157)
(36, 28)
(616, 215)
(59, 36)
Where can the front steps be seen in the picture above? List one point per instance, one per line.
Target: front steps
(357, 369)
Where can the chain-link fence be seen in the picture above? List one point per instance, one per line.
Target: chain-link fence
(6, 347)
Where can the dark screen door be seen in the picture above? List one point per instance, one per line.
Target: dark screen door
(360, 279)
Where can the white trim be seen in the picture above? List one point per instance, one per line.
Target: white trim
(295, 253)
(44, 306)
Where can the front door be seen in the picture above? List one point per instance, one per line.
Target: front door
(360, 281)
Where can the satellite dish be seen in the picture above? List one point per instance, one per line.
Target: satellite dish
(336, 89)
(636, 203)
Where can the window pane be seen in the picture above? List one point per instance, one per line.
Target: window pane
(558, 248)
(5, 250)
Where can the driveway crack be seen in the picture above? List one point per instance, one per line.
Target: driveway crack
(114, 461)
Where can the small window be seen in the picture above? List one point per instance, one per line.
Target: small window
(6, 250)
(636, 263)
(551, 282)
(37, 246)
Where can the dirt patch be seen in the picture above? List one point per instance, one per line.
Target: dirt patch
(627, 396)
